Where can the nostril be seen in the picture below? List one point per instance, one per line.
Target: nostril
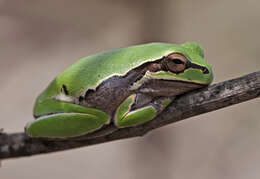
(205, 70)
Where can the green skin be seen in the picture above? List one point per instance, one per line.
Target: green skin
(119, 86)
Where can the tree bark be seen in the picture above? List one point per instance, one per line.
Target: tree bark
(214, 97)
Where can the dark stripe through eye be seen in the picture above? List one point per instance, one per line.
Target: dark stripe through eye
(195, 66)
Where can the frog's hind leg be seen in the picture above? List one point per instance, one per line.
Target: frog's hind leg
(64, 125)
(138, 109)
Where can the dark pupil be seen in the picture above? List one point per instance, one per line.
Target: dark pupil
(177, 61)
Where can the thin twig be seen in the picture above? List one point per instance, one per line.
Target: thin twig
(214, 97)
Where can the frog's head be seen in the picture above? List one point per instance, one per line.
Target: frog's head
(185, 63)
(197, 69)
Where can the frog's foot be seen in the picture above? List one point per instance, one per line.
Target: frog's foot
(65, 125)
(131, 113)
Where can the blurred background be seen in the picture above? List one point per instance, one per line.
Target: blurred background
(39, 39)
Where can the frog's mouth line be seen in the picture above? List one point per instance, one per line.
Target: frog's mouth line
(185, 82)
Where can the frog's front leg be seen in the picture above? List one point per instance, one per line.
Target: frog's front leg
(137, 109)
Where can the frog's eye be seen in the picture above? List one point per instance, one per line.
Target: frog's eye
(176, 62)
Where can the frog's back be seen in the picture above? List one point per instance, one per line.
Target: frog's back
(90, 71)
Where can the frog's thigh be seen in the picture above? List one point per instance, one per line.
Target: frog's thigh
(64, 125)
(125, 118)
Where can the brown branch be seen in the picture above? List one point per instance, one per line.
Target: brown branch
(201, 101)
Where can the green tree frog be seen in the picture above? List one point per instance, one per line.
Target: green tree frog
(126, 87)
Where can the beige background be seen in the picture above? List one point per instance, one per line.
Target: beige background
(39, 39)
